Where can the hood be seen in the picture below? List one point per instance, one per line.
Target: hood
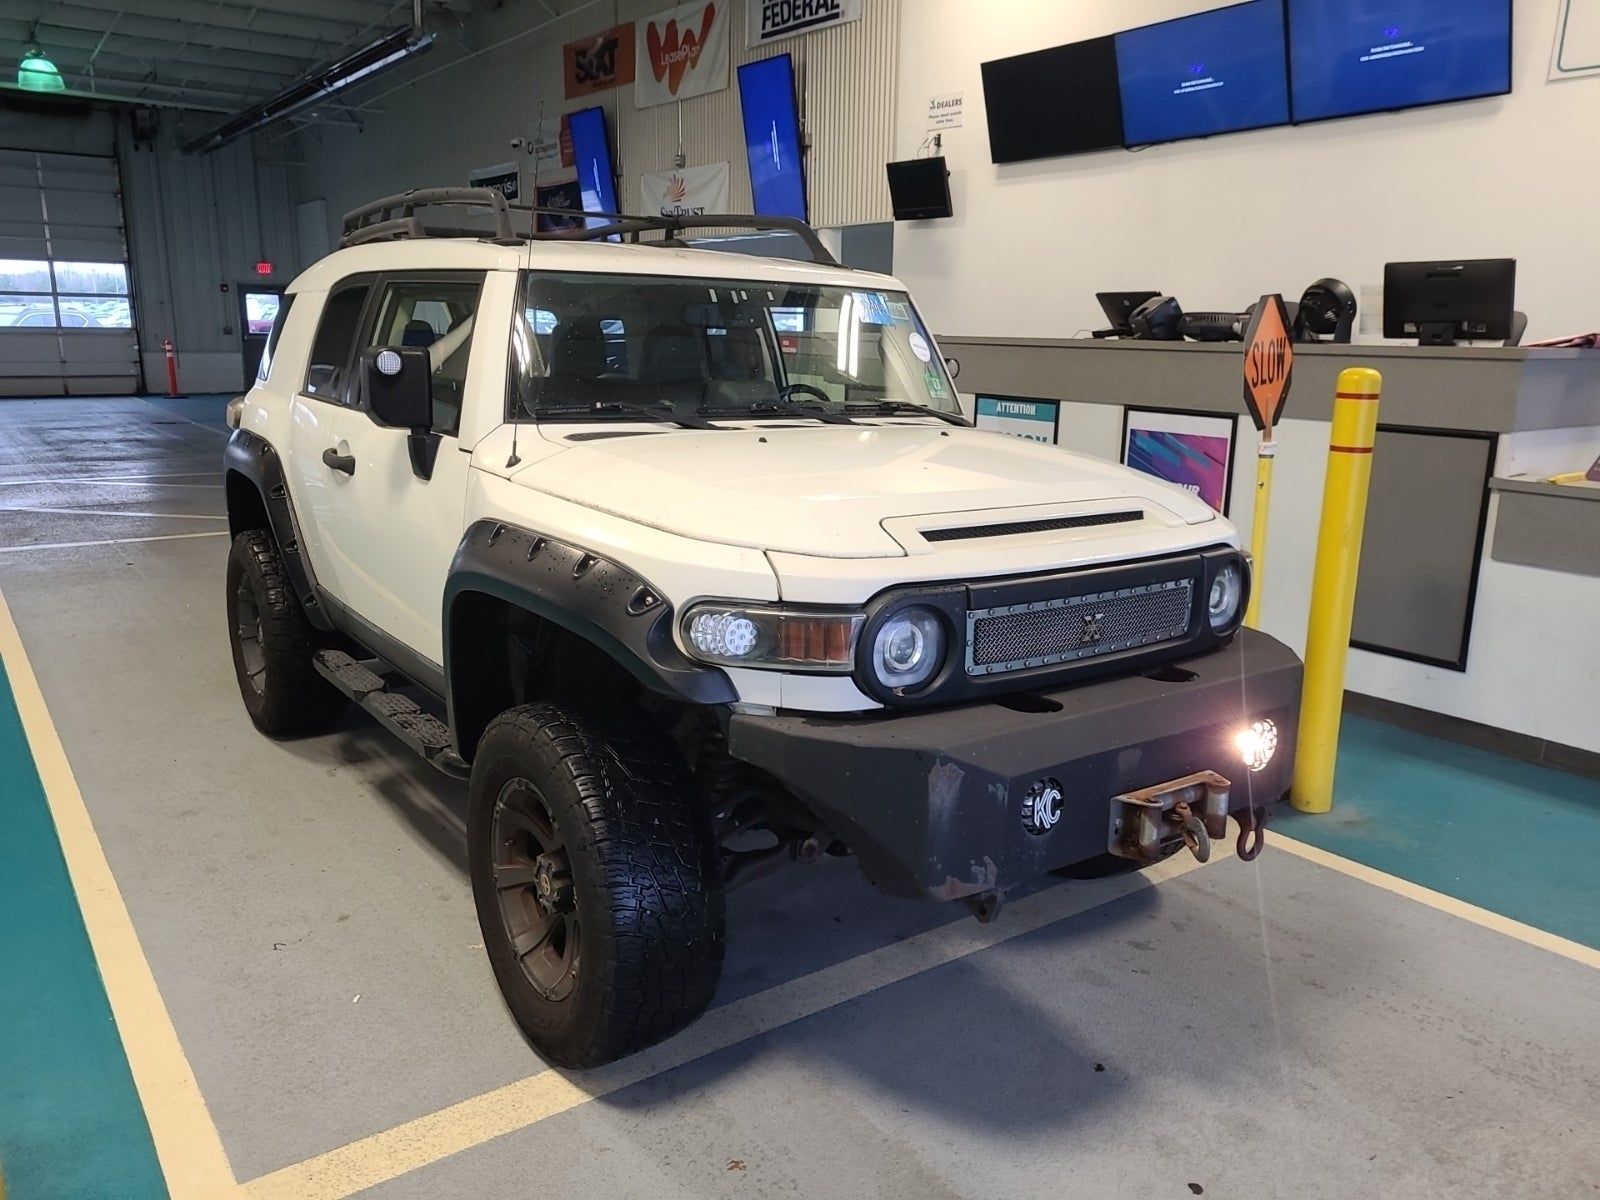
(838, 491)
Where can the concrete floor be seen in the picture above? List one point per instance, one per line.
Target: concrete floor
(1262, 1030)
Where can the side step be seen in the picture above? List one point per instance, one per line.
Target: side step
(423, 732)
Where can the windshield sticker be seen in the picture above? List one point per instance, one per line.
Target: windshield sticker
(935, 383)
(919, 347)
(872, 308)
(898, 312)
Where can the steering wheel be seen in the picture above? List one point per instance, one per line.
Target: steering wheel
(789, 388)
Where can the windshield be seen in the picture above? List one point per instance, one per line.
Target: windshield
(687, 349)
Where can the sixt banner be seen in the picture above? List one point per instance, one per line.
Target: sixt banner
(768, 20)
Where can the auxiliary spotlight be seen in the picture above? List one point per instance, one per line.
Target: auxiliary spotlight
(1257, 744)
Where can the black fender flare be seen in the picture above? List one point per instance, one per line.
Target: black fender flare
(253, 457)
(584, 593)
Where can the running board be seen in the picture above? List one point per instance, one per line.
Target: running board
(423, 732)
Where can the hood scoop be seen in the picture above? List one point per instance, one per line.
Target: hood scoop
(965, 533)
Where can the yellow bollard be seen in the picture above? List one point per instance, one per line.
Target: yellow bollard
(1333, 586)
(1266, 452)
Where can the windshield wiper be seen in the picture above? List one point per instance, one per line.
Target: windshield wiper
(656, 412)
(895, 408)
(771, 408)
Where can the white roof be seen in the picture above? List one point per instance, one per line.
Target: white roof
(554, 255)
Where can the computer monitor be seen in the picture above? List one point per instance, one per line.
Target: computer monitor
(1053, 102)
(919, 189)
(1440, 303)
(1215, 72)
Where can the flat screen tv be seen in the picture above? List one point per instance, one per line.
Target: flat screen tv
(772, 137)
(591, 153)
(919, 189)
(1215, 72)
(1360, 56)
(1063, 100)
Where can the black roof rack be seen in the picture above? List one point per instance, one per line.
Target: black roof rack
(395, 218)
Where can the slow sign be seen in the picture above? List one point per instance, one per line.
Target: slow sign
(1268, 362)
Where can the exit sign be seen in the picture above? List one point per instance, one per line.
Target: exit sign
(264, 267)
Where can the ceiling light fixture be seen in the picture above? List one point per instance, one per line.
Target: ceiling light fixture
(36, 73)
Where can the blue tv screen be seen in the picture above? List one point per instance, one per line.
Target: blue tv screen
(1360, 56)
(1215, 72)
(591, 152)
(772, 137)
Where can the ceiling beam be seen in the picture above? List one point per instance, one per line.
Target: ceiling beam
(55, 38)
(80, 16)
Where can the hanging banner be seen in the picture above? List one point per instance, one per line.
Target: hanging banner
(1034, 420)
(686, 192)
(682, 52)
(599, 63)
(552, 147)
(768, 20)
(562, 195)
(502, 177)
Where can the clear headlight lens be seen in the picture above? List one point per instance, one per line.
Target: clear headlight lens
(756, 636)
(1227, 589)
(909, 648)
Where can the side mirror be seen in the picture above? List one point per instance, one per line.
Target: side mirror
(953, 365)
(399, 386)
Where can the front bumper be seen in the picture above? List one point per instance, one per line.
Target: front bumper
(931, 802)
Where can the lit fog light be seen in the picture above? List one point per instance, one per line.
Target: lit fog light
(725, 634)
(1257, 744)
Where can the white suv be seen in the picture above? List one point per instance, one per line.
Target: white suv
(689, 562)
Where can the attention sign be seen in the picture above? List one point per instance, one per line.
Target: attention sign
(1268, 362)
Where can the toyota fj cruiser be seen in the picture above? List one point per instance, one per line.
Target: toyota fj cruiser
(689, 563)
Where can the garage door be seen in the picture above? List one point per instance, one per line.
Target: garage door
(66, 319)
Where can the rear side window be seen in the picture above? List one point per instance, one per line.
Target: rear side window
(336, 336)
(272, 337)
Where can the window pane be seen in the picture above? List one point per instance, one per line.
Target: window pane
(102, 279)
(260, 311)
(330, 351)
(436, 315)
(24, 275)
(26, 311)
(95, 312)
(278, 320)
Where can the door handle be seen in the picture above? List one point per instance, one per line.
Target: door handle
(334, 461)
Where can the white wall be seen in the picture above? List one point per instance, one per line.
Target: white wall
(1218, 222)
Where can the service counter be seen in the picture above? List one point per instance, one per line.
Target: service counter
(1479, 588)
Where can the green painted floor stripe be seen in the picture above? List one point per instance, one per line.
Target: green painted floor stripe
(1508, 836)
(71, 1126)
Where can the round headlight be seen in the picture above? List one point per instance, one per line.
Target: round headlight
(909, 648)
(1226, 591)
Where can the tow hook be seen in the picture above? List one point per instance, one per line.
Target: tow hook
(1192, 830)
(1149, 824)
(1251, 821)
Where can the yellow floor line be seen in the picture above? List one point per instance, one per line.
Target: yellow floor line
(1482, 917)
(419, 1143)
(186, 1139)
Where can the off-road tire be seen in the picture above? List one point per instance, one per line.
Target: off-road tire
(285, 696)
(644, 885)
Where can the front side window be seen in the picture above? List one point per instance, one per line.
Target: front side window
(607, 345)
(437, 315)
(336, 335)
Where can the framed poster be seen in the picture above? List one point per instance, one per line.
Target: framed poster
(1193, 451)
(560, 195)
(1035, 420)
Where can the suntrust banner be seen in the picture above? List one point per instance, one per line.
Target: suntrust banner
(682, 52)
(768, 20)
(686, 192)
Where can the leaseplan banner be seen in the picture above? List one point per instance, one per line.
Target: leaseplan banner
(687, 192)
(768, 20)
(682, 52)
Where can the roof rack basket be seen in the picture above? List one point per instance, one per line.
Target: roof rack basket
(395, 218)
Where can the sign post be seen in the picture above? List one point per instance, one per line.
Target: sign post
(1268, 372)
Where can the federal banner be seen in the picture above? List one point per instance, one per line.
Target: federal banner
(682, 52)
(598, 63)
(768, 20)
(686, 192)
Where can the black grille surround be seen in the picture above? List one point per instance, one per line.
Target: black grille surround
(1022, 634)
(962, 533)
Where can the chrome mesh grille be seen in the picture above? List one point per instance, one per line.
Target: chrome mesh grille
(1045, 632)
